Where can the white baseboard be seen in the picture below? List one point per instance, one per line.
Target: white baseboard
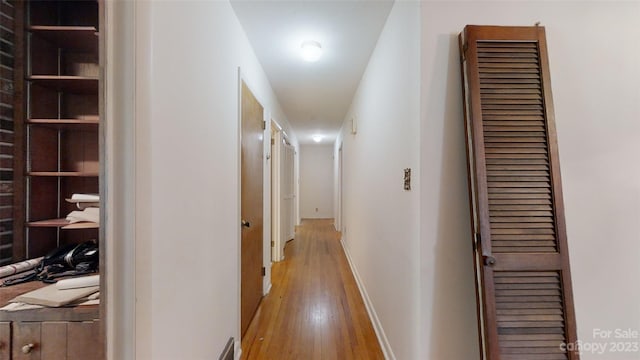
(237, 349)
(266, 280)
(377, 326)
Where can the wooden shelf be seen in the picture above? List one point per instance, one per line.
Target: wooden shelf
(62, 28)
(76, 313)
(49, 223)
(82, 225)
(73, 84)
(61, 174)
(83, 38)
(66, 124)
(88, 120)
(64, 224)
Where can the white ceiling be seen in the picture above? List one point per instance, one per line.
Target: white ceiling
(314, 96)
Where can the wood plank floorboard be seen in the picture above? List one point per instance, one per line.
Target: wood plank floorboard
(314, 309)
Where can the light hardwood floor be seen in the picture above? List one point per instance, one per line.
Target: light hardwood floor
(314, 309)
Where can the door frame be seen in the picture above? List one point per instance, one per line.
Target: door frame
(276, 181)
(279, 233)
(339, 213)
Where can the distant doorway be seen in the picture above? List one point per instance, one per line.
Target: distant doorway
(339, 216)
(288, 192)
(276, 135)
(282, 192)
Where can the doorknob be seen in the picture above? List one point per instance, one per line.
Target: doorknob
(489, 260)
(246, 224)
(27, 348)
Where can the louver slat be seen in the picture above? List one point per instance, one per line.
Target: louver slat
(525, 303)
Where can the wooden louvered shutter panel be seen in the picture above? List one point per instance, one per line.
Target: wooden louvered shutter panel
(525, 301)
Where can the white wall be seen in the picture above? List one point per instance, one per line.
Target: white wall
(316, 182)
(381, 225)
(186, 174)
(594, 50)
(421, 286)
(411, 249)
(119, 187)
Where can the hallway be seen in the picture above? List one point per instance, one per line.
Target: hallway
(314, 309)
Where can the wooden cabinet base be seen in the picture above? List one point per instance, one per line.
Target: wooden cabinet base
(71, 333)
(51, 340)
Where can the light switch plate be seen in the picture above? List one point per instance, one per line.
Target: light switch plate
(407, 179)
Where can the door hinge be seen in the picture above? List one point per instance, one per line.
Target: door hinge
(273, 243)
(476, 242)
(273, 141)
(264, 271)
(465, 47)
(264, 125)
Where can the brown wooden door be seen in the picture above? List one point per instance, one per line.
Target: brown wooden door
(251, 207)
(523, 280)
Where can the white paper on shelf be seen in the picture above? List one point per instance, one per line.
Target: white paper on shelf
(17, 306)
(90, 214)
(51, 296)
(89, 302)
(84, 205)
(18, 267)
(79, 282)
(85, 197)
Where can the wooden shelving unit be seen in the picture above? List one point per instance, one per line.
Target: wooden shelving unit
(57, 154)
(61, 121)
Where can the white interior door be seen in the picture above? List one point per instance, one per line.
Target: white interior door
(276, 208)
(287, 193)
(339, 217)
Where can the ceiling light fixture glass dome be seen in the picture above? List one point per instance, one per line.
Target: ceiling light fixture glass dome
(317, 138)
(311, 50)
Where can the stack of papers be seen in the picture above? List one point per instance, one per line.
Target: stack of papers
(88, 208)
(76, 291)
(91, 214)
(84, 201)
(52, 296)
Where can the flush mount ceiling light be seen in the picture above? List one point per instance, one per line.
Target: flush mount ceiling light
(317, 138)
(311, 50)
